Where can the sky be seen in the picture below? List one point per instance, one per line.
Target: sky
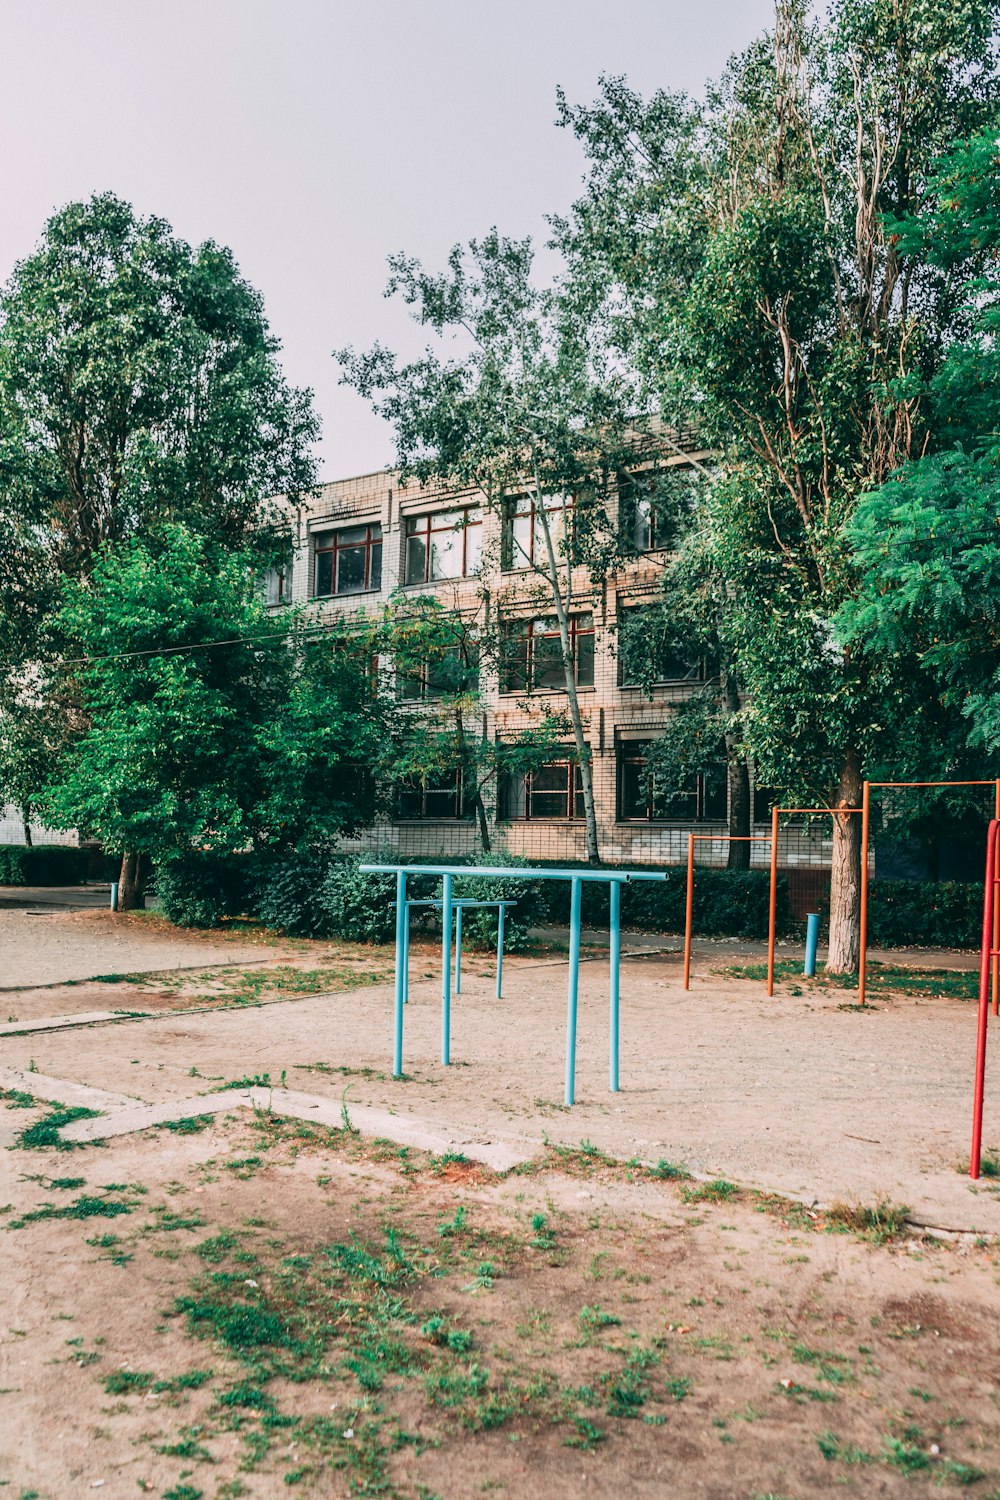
(316, 137)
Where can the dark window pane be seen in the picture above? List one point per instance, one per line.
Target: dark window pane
(350, 570)
(634, 785)
(351, 534)
(585, 660)
(416, 559)
(714, 802)
(324, 572)
(548, 664)
(548, 804)
(375, 580)
(473, 547)
(409, 799)
(441, 803)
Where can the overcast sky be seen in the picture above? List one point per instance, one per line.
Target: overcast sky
(315, 137)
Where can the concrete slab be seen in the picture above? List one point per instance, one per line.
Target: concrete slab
(61, 1090)
(60, 1023)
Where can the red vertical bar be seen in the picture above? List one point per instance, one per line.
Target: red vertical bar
(985, 964)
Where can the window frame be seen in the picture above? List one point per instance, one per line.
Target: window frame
(418, 785)
(515, 559)
(526, 630)
(427, 530)
(336, 547)
(575, 811)
(696, 673)
(628, 752)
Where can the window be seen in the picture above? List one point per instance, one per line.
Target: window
(456, 672)
(532, 654)
(277, 584)
(554, 790)
(438, 794)
(647, 654)
(524, 531)
(349, 561)
(643, 798)
(445, 545)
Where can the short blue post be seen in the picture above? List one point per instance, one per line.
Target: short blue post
(500, 916)
(458, 950)
(446, 969)
(401, 924)
(812, 940)
(114, 895)
(576, 886)
(616, 956)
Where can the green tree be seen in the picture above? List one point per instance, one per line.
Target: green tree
(739, 251)
(925, 543)
(139, 382)
(207, 724)
(518, 403)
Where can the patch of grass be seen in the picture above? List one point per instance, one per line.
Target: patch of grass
(128, 1382)
(17, 1099)
(885, 979)
(906, 1457)
(721, 1190)
(192, 1125)
(669, 1171)
(113, 1245)
(45, 1132)
(628, 1390)
(879, 1222)
(87, 1206)
(593, 1319)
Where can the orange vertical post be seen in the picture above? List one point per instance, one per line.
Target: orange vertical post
(773, 906)
(989, 909)
(688, 913)
(865, 826)
(995, 975)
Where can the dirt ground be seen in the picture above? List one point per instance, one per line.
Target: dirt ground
(247, 1304)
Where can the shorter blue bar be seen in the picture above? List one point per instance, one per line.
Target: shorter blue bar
(812, 942)
(446, 970)
(500, 916)
(400, 995)
(458, 947)
(572, 997)
(615, 926)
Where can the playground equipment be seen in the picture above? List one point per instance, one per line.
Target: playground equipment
(989, 953)
(459, 904)
(776, 813)
(615, 879)
(865, 829)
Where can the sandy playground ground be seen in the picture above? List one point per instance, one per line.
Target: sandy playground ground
(203, 1301)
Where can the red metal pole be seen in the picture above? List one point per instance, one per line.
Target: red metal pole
(863, 949)
(989, 899)
(773, 905)
(995, 977)
(688, 912)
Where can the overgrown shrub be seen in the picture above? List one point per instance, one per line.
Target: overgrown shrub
(42, 864)
(290, 893)
(198, 890)
(479, 927)
(905, 913)
(360, 907)
(727, 903)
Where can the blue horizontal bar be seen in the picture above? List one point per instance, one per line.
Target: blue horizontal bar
(513, 872)
(462, 901)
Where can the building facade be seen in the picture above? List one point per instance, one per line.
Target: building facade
(363, 541)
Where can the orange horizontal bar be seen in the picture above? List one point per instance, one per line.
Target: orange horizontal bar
(992, 782)
(832, 810)
(731, 838)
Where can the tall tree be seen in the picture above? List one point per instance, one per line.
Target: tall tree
(205, 724)
(139, 382)
(739, 251)
(517, 403)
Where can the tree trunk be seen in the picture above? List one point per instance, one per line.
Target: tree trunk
(739, 809)
(469, 778)
(738, 778)
(26, 820)
(569, 676)
(845, 874)
(130, 882)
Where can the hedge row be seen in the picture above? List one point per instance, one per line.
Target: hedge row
(42, 864)
(321, 894)
(909, 913)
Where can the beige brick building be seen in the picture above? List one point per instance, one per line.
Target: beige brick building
(361, 541)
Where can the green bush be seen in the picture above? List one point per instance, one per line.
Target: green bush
(290, 893)
(361, 908)
(727, 903)
(479, 928)
(907, 913)
(42, 864)
(198, 890)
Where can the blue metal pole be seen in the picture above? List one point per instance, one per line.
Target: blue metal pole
(406, 955)
(397, 1048)
(574, 984)
(446, 969)
(812, 941)
(458, 950)
(616, 957)
(500, 916)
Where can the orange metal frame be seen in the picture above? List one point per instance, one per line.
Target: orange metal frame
(706, 838)
(989, 954)
(772, 914)
(865, 827)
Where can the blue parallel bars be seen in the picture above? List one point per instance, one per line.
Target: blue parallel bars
(615, 879)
